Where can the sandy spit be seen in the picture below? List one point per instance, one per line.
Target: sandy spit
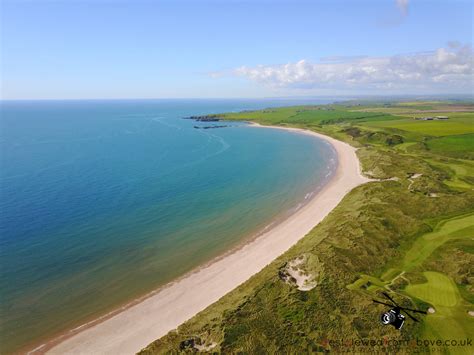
(129, 331)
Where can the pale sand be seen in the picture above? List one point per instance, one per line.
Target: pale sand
(137, 326)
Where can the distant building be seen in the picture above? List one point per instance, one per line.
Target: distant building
(424, 118)
(429, 118)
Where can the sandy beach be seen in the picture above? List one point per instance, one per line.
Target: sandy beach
(135, 327)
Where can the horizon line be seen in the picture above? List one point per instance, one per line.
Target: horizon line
(349, 96)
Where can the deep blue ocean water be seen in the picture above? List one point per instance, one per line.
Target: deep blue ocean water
(103, 201)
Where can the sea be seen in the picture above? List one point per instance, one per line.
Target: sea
(103, 201)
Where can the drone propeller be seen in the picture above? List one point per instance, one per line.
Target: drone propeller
(405, 310)
(386, 304)
(409, 315)
(390, 298)
(413, 310)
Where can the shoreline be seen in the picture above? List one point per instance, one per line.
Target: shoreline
(281, 217)
(135, 325)
(51, 341)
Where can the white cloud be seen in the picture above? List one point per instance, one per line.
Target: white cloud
(445, 69)
(402, 6)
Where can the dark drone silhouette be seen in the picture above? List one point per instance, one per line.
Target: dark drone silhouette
(394, 316)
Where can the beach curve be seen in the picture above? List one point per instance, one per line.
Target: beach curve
(130, 330)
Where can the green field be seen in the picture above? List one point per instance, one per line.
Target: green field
(410, 233)
(414, 107)
(307, 115)
(453, 126)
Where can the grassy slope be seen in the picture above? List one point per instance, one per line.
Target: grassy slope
(394, 235)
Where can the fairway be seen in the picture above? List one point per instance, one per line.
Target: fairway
(457, 228)
(454, 228)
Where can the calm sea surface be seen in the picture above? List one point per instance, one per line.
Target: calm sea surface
(103, 201)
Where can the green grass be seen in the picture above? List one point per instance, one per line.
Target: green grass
(455, 228)
(455, 259)
(458, 146)
(440, 128)
(267, 115)
(307, 116)
(460, 172)
(411, 237)
(394, 109)
(450, 320)
(460, 227)
(418, 103)
(336, 116)
(367, 281)
(405, 147)
(390, 274)
(421, 107)
(439, 290)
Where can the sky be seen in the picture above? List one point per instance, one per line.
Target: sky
(104, 49)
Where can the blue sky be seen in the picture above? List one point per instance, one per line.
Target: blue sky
(163, 49)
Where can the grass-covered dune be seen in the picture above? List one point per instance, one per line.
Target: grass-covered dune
(410, 234)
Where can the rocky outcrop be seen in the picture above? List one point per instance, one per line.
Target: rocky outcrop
(205, 118)
(210, 127)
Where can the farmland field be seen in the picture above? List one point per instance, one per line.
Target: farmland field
(454, 126)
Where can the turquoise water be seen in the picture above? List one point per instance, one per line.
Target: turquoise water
(103, 201)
